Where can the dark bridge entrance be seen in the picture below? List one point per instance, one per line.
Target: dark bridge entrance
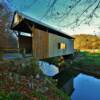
(25, 44)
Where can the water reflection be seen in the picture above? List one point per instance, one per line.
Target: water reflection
(48, 69)
(78, 86)
(86, 88)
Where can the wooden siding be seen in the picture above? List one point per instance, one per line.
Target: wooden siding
(54, 40)
(39, 43)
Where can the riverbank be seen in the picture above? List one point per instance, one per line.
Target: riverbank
(82, 62)
(88, 63)
(85, 62)
(88, 59)
(23, 80)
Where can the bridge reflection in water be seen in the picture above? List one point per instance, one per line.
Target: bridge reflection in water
(79, 86)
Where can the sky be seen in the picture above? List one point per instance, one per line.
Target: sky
(38, 8)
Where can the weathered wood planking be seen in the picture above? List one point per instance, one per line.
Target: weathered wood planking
(54, 40)
(39, 43)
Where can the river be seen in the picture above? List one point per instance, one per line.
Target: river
(78, 86)
(86, 88)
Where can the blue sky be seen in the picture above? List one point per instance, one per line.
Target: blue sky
(38, 8)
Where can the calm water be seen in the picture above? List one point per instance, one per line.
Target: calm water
(86, 88)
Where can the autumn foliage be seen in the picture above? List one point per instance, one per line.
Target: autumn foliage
(87, 42)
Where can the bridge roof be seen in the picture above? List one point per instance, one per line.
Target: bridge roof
(28, 22)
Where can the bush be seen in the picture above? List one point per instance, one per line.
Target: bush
(16, 96)
(39, 95)
(3, 95)
(30, 67)
(1, 56)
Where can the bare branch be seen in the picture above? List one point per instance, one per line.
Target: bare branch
(48, 10)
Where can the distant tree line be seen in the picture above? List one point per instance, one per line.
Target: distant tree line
(87, 42)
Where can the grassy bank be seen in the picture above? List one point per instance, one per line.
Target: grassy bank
(90, 60)
(23, 80)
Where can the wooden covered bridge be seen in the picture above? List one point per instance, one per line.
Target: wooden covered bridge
(42, 40)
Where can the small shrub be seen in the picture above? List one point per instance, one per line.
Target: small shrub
(1, 56)
(3, 95)
(39, 95)
(30, 67)
(16, 96)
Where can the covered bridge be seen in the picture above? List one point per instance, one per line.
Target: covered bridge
(42, 40)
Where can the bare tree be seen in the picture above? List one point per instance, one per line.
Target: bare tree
(66, 13)
(83, 10)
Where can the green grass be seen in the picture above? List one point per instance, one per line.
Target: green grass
(88, 60)
(39, 95)
(12, 96)
(1, 56)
